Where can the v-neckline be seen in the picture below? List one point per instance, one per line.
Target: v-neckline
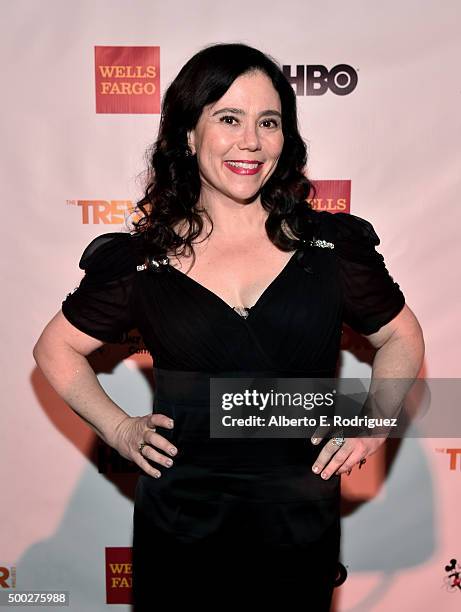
(230, 308)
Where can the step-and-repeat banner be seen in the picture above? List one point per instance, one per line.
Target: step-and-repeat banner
(378, 98)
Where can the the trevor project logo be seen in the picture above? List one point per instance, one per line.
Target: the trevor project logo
(127, 79)
(7, 577)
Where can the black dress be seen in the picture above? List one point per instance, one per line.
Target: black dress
(236, 518)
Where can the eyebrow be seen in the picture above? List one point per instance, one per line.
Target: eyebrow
(239, 111)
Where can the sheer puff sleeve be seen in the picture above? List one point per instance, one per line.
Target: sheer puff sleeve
(371, 297)
(102, 305)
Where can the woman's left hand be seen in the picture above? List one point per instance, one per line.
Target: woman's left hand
(335, 460)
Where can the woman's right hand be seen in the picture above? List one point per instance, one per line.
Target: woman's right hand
(133, 430)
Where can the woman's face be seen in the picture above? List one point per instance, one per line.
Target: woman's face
(232, 134)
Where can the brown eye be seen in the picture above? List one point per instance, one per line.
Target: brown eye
(275, 123)
(228, 117)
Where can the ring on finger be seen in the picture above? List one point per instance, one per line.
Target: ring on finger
(141, 446)
(338, 441)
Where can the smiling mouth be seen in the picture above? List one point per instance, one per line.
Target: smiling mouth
(243, 168)
(249, 165)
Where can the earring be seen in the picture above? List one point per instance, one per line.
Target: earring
(188, 152)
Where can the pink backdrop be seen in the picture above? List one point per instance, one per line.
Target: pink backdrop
(81, 95)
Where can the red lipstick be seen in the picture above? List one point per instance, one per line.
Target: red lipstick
(241, 170)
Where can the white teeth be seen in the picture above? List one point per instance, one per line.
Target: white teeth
(242, 165)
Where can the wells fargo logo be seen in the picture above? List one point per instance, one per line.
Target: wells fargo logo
(95, 212)
(127, 79)
(7, 577)
(454, 454)
(118, 575)
(333, 196)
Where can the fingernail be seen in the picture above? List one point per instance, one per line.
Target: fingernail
(315, 440)
(172, 451)
(168, 462)
(315, 469)
(324, 475)
(170, 424)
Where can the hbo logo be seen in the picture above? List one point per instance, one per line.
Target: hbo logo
(315, 80)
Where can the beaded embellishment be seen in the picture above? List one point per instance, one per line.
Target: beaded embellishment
(322, 244)
(242, 311)
(153, 264)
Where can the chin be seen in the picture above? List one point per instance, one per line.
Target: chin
(244, 197)
(245, 194)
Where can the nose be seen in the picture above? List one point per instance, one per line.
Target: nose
(249, 137)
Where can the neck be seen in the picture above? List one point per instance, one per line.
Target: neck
(228, 214)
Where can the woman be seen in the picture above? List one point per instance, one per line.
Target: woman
(229, 270)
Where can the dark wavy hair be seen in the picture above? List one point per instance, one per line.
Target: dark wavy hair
(173, 181)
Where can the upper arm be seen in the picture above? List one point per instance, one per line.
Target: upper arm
(103, 305)
(101, 309)
(373, 302)
(404, 324)
(59, 331)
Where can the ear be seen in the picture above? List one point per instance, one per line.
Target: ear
(191, 141)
